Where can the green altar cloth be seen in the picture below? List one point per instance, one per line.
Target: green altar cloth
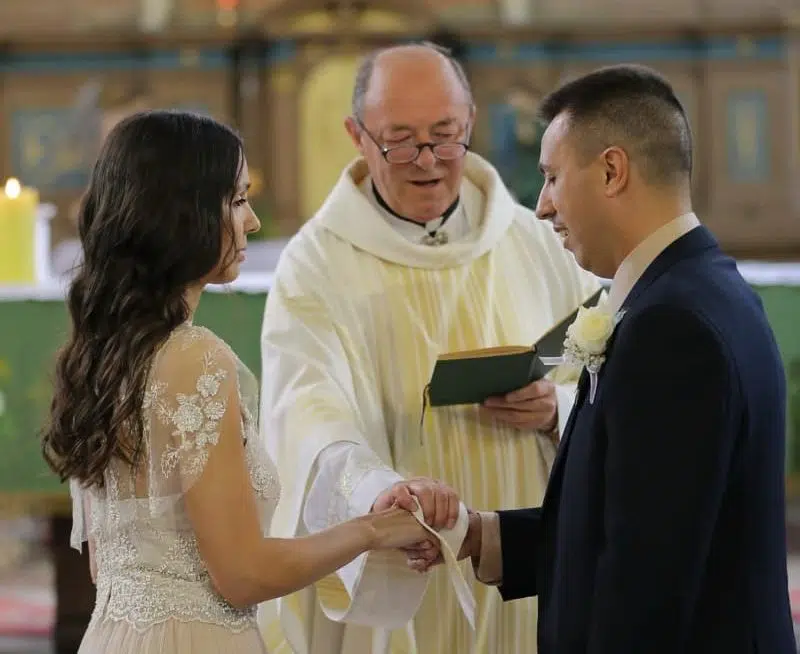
(31, 331)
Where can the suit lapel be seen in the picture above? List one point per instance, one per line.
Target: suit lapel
(558, 464)
(580, 396)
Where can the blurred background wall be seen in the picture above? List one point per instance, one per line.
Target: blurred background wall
(281, 72)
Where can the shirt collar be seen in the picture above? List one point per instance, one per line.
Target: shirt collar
(634, 265)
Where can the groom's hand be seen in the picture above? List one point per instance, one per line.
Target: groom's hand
(439, 502)
(532, 407)
(471, 547)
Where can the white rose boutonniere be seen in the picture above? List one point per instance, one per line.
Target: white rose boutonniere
(586, 340)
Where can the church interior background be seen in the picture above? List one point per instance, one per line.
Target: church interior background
(281, 72)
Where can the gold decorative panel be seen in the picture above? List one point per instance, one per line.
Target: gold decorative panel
(325, 147)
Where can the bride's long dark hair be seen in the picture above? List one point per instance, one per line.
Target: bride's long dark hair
(151, 224)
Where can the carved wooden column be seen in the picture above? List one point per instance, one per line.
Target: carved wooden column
(5, 127)
(283, 92)
(793, 80)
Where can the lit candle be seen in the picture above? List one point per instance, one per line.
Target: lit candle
(18, 205)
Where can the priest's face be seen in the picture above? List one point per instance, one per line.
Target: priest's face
(407, 107)
(573, 197)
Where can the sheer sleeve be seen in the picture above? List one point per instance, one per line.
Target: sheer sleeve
(80, 515)
(194, 383)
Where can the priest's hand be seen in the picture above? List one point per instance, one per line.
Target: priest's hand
(532, 407)
(439, 502)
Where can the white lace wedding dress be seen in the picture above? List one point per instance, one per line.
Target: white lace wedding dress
(154, 594)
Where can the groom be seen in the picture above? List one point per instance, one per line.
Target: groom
(662, 528)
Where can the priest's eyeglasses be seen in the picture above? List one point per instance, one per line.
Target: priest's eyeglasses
(403, 154)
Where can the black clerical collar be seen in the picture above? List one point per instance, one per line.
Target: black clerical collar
(448, 212)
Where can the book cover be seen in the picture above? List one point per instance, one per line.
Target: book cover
(472, 376)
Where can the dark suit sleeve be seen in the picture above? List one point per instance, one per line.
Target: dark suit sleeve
(519, 542)
(666, 404)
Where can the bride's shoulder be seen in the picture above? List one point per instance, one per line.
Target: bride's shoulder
(195, 337)
(190, 342)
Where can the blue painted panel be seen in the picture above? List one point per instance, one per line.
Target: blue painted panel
(747, 136)
(282, 50)
(40, 158)
(633, 51)
(177, 59)
(503, 144)
(37, 157)
(476, 52)
(516, 161)
(598, 52)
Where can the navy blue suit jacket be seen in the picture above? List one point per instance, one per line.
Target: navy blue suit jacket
(663, 526)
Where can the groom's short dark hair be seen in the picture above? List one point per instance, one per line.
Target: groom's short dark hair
(632, 107)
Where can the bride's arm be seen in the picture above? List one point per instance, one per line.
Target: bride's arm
(247, 568)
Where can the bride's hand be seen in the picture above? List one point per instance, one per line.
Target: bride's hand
(395, 528)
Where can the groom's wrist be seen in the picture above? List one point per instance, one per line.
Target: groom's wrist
(488, 562)
(473, 539)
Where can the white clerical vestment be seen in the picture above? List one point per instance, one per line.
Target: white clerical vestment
(354, 322)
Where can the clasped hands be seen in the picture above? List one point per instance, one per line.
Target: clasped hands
(531, 407)
(439, 504)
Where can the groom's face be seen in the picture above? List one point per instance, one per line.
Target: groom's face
(571, 197)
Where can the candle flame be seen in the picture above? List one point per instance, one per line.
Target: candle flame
(13, 188)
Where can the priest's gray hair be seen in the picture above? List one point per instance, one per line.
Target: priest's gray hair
(365, 69)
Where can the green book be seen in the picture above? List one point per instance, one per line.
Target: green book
(473, 376)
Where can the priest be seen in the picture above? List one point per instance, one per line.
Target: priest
(419, 250)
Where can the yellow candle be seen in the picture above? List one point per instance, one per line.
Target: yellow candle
(18, 207)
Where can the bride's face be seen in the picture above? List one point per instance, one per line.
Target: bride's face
(241, 222)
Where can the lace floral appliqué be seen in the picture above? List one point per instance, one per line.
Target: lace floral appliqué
(196, 421)
(149, 564)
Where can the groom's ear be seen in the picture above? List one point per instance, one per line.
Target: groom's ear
(616, 167)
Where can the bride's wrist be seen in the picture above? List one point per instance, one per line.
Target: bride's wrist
(367, 531)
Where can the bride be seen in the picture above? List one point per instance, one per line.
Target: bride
(154, 419)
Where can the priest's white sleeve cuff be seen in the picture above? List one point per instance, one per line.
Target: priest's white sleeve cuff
(376, 589)
(346, 479)
(365, 492)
